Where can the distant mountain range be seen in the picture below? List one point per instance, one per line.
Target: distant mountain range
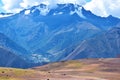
(41, 35)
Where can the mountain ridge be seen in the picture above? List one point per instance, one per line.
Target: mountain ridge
(55, 34)
(107, 46)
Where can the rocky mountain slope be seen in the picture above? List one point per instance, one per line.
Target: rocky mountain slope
(9, 59)
(105, 45)
(50, 35)
(11, 54)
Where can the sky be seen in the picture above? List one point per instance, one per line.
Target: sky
(102, 8)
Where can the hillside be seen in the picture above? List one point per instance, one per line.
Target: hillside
(11, 54)
(85, 69)
(105, 45)
(9, 59)
(49, 35)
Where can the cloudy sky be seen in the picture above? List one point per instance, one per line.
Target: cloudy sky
(99, 7)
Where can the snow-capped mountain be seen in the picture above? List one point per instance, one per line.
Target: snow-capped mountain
(52, 34)
(45, 10)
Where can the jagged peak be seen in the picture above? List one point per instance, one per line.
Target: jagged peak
(43, 9)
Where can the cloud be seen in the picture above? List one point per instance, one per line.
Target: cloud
(104, 8)
(11, 5)
(99, 7)
(17, 5)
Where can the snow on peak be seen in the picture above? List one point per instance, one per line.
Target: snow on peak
(27, 12)
(60, 9)
(79, 12)
(41, 9)
(69, 9)
(58, 13)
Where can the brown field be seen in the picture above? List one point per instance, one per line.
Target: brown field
(85, 69)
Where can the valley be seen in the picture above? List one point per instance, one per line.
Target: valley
(83, 69)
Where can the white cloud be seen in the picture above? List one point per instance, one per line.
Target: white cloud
(17, 5)
(104, 8)
(11, 5)
(99, 7)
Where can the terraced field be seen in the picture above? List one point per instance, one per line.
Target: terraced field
(85, 69)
